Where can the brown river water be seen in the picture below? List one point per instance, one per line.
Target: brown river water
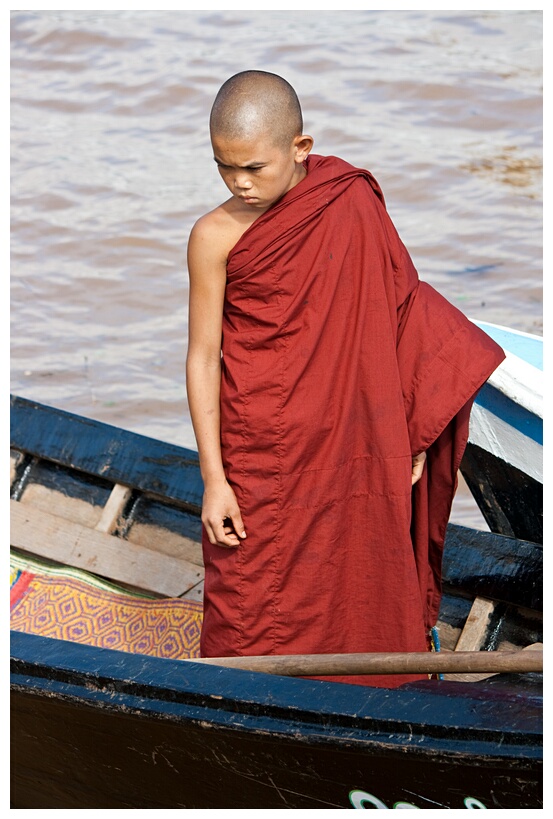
(111, 165)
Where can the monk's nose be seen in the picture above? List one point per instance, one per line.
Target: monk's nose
(242, 183)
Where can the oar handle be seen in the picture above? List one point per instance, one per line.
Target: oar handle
(426, 662)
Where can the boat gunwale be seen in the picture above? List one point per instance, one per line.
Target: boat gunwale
(41, 663)
(176, 477)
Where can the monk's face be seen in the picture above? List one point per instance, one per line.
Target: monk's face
(257, 172)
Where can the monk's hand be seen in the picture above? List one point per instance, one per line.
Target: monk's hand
(221, 516)
(417, 467)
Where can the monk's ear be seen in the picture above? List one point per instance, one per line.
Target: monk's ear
(303, 145)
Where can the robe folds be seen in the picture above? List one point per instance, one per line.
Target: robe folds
(338, 365)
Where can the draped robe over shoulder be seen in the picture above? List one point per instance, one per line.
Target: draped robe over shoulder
(338, 365)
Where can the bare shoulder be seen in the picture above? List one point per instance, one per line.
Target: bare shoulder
(216, 233)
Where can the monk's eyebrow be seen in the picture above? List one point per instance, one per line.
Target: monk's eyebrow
(243, 167)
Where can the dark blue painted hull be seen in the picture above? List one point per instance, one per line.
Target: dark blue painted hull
(100, 729)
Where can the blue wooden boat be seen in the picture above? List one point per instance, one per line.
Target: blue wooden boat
(503, 462)
(102, 517)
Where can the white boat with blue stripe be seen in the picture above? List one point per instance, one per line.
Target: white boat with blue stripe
(503, 462)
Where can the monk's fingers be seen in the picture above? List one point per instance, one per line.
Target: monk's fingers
(234, 523)
(417, 467)
(227, 526)
(219, 534)
(221, 516)
(234, 529)
(216, 534)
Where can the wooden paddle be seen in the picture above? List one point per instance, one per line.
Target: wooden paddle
(292, 665)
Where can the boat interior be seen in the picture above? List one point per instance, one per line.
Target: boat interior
(76, 519)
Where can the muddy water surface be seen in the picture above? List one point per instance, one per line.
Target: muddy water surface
(111, 166)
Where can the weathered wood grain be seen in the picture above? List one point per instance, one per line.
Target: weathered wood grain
(113, 509)
(50, 536)
(474, 632)
(426, 662)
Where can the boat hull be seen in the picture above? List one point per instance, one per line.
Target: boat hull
(503, 461)
(164, 734)
(94, 727)
(511, 501)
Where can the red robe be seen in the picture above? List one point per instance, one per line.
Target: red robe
(338, 367)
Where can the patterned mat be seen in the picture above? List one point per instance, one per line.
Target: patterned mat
(68, 604)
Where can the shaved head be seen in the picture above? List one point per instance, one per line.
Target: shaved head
(256, 103)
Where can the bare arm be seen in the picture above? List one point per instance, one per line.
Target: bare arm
(207, 270)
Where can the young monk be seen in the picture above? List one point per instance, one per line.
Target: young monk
(330, 393)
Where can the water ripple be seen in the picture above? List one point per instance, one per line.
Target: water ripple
(111, 166)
